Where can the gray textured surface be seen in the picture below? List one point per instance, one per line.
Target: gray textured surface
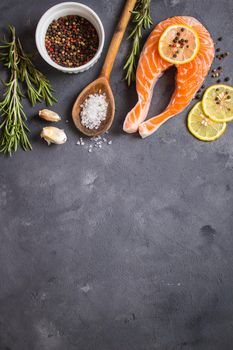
(128, 248)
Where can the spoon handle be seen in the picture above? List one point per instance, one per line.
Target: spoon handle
(117, 38)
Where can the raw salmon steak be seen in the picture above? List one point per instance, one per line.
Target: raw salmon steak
(190, 77)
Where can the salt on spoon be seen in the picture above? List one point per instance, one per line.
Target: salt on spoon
(94, 111)
(102, 83)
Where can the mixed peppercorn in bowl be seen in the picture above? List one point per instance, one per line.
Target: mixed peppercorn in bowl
(70, 37)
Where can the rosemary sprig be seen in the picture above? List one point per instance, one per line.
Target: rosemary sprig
(21, 69)
(14, 129)
(38, 86)
(141, 19)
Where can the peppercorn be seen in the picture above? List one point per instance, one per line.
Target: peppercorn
(227, 79)
(71, 41)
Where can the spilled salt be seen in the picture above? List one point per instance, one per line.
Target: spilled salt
(94, 110)
(95, 143)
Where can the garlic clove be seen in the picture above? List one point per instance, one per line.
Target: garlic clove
(48, 115)
(53, 135)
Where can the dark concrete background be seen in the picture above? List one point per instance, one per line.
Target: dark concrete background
(127, 248)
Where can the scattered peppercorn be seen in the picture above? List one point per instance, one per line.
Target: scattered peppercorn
(227, 79)
(218, 81)
(220, 38)
(71, 41)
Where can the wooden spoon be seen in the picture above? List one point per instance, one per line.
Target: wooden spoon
(102, 85)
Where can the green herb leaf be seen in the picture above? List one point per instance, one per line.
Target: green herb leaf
(38, 86)
(141, 19)
(14, 129)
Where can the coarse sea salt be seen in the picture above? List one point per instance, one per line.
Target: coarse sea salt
(94, 143)
(94, 110)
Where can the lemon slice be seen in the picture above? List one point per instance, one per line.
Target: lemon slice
(217, 103)
(202, 127)
(179, 44)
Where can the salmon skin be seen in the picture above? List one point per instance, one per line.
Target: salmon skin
(190, 77)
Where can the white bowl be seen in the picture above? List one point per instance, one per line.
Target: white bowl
(65, 9)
